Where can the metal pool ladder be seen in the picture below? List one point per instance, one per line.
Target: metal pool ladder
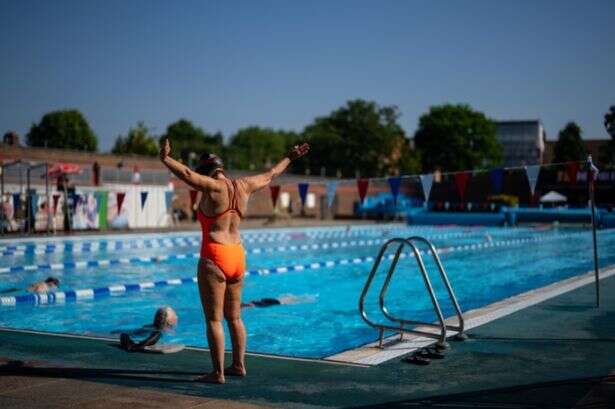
(398, 324)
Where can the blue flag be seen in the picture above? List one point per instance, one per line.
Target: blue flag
(394, 183)
(303, 189)
(33, 204)
(168, 199)
(143, 198)
(497, 180)
(16, 201)
(331, 188)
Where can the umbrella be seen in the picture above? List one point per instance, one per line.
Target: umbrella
(552, 197)
(60, 168)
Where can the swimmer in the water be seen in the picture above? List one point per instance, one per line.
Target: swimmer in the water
(270, 302)
(222, 264)
(164, 320)
(41, 287)
(489, 238)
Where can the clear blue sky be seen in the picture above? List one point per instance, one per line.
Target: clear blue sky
(230, 64)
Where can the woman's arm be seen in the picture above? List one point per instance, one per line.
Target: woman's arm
(257, 182)
(191, 178)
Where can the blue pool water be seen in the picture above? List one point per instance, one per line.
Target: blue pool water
(325, 319)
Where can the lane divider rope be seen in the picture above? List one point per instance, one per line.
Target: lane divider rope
(90, 293)
(196, 255)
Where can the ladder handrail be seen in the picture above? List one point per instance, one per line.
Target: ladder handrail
(441, 325)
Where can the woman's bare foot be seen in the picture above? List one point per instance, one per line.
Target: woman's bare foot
(212, 377)
(235, 370)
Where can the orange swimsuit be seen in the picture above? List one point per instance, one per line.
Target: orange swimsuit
(230, 258)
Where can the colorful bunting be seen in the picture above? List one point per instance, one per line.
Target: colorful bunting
(331, 188)
(143, 198)
(362, 185)
(120, 199)
(275, 192)
(461, 180)
(532, 172)
(394, 183)
(427, 183)
(303, 189)
(497, 180)
(572, 168)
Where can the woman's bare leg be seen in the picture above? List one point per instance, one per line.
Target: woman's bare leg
(212, 286)
(232, 314)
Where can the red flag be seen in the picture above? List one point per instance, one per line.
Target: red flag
(461, 180)
(275, 192)
(120, 199)
(192, 198)
(572, 168)
(56, 198)
(362, 185)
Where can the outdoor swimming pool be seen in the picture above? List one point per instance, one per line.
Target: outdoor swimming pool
(114, 283)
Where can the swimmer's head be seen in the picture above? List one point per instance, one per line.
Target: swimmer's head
(52, 281)
(165, 318)
(210, 165)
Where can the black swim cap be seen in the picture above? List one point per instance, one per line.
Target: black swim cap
(208, 164)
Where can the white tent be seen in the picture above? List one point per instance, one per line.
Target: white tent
(553, 197)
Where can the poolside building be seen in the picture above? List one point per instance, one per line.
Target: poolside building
(523, 141)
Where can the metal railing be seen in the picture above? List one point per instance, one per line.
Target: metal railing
(401, 324)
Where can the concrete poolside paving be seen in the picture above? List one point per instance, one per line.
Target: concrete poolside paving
(556, 354)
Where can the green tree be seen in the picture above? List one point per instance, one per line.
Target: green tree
(608, 155)
(257, 148)
(455, 137)
(569, 145)
(191, 141)
(66, 129)
(137, 142)
(358, 137)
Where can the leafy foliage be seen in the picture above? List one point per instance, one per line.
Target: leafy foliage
(257, 148)
(569, 145)
(360, 137)
(608, 155)
(455, 137)
(138, 142)
(186, 138)
(67, 129)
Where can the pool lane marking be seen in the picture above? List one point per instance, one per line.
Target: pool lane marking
(89, 293)
(90, 246)
(324, 246)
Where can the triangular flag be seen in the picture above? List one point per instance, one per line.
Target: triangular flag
(275, 192)
(143, 198)
(497, 180)
(16, 201)
(532, 172)
(362, 185)
(303, 189)
(56, 198)
(394, 183)
(461, 180)
(192, 198)
(120, 199)
(102, 199)
(426, 183)
(572, 168)
(331, 188)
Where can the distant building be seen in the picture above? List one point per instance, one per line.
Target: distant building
(523, 142)
(595, 147)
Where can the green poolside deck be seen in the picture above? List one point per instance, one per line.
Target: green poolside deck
(559, 353)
